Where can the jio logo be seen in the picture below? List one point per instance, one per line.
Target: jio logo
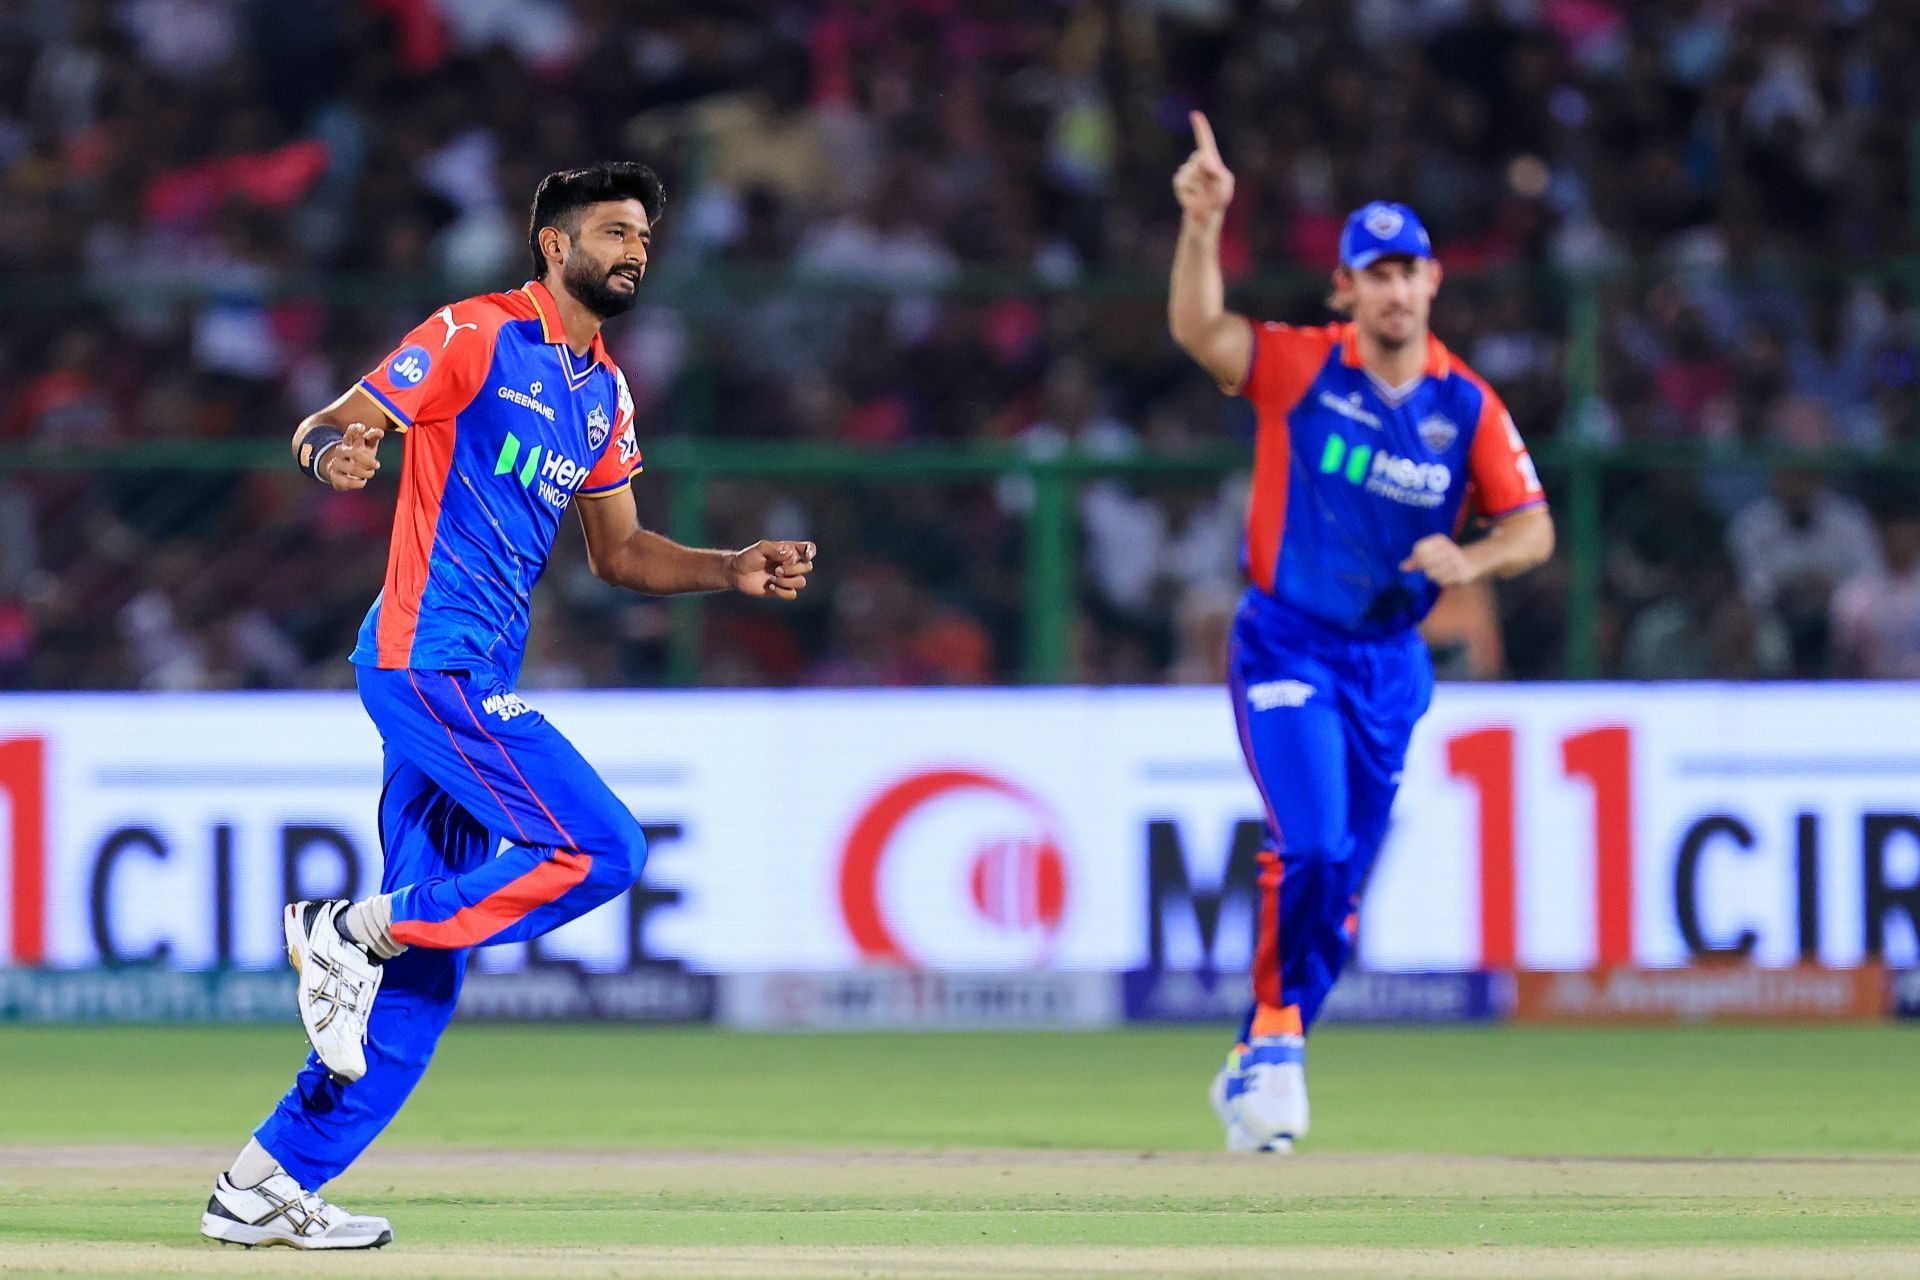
(410, 366)
(954, 868)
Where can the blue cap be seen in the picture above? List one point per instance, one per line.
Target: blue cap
(1381, 230)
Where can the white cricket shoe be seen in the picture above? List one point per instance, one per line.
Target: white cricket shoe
(1238, 1137)
(1261, 1095)
(338, 981)
(281, 1211)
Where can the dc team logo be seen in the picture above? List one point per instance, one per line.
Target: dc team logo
(956, 869)
(1438, 433)
(410, 367)
(1384, 222)
(598, 425)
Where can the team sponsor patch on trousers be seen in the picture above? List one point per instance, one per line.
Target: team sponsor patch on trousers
(1271, 694)
(504, 705)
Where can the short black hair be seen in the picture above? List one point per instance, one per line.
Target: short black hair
(560, 197)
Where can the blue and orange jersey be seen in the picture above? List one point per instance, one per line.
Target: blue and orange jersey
(503, 425)
(1348, 474)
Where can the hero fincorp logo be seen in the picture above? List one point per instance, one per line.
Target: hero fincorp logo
(559, 475)
(954, 868)
(1383, 472)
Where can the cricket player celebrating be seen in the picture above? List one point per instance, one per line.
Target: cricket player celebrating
(1372, 440)
(510, 408)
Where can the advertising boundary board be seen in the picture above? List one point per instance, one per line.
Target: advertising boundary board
(549, 993)
(1557, 827)
(1702, 994)
(917, 1000)
(1359, 997)
(897, 999)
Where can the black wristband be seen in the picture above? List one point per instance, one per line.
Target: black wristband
(314, 446)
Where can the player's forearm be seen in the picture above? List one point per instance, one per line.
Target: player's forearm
(1513, 546)
(659, 566)
(1220, 341)
(314, 430)
(1197, 298)
(352, 406)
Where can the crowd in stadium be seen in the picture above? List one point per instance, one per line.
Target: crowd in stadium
(901, 221)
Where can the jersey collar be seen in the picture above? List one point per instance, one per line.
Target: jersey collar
(1438, 359)
(552, 330)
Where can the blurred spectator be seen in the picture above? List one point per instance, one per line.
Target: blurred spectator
(920, 220)
(1710, 629)
(1830, 371)
(1792, 548)
(1876, 613)
(70, 403)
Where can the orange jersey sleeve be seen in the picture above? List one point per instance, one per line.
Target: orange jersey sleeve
(1501, 470)
(1284, 362)
(618, 462)
(439, 367)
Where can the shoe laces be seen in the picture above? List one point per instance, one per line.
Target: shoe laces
(341, 991)
(304, 1212)
(314, 1207)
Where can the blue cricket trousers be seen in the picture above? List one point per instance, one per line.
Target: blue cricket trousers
(1324, 721)
(467, 766)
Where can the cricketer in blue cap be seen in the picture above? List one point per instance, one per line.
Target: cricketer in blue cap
(1373, 446)
(1381, 230)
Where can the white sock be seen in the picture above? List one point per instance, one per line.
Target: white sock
(253, 1166)
(369, 922)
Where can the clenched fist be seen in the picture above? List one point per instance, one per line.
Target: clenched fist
(772, 569)
(1443, 560)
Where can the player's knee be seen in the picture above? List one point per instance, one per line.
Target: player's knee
(628, 856)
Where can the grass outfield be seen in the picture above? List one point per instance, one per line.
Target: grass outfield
(596, 1151)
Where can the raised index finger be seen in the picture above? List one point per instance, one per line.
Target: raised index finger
(1203, 134)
